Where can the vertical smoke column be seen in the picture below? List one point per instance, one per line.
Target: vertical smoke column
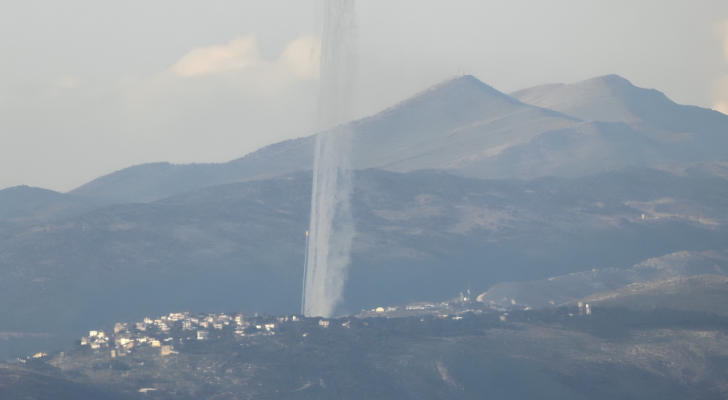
(331, 225)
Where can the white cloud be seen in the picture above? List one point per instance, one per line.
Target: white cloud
(219, 102)
(300, 59)
(239, 53)
(722, 85)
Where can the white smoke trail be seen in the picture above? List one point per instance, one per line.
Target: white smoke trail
(331, 225)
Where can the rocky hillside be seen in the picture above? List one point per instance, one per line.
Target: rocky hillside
(421, 235)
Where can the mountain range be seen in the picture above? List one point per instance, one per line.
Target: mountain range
(467, 127)
(460, 186)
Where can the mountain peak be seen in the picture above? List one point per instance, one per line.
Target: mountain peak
(612, 79)
(620, 87)
(465, 84)
(15, 188)
(465, 80)
(23, 189)
(610, 98)
(461, 93)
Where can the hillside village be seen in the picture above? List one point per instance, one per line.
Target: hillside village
(163, 335)
(191, 356)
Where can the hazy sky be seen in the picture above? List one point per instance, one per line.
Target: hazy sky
(91, 86)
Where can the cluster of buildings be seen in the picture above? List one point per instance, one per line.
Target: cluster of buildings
(452, 309)
(166, 332)
(163, 333)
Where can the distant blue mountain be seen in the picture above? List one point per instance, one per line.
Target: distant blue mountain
(459, 185)
(467, 127)
(25, 204)
(695, 134)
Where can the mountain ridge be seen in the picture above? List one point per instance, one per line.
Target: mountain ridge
(27, 204)
(239, 245)
(461, 125)
(603, 89)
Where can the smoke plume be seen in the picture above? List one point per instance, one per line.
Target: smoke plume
(331, 225)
